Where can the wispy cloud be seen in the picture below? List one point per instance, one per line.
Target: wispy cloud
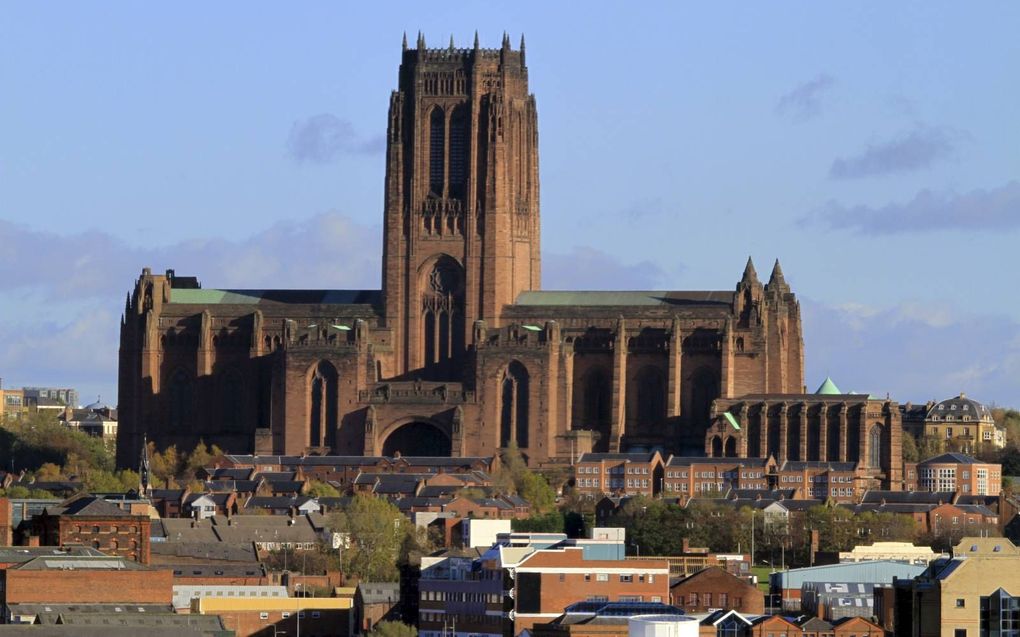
(95, 265)
(324, 138)
(913, 351)
(586, 268)
(917, 149)
(61, 295)
(977, 210)
(805, 100)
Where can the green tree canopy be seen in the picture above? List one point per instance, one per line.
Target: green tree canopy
(393, 629)
(377, 538)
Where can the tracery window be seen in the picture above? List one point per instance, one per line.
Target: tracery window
(514, 406)
(437, 150)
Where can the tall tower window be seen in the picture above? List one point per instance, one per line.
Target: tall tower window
(233, 401)
(180, 400)
(458, 151)
(651, 398)
(442, 314)
(875, 447)
(322, 405)
(514, 413)
(437, 150)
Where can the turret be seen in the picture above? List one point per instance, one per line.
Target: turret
(777, 282)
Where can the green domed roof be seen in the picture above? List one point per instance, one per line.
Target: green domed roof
(828, 388)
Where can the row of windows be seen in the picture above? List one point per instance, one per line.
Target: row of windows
(443, 596)
(706, 599)
(106, 529)
(286, 615)
(624, 598)
(461, 618)
(604, 577)
(638, 471)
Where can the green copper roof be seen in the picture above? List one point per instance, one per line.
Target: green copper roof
(730, 418)
(828, 388)
(253, 297)
(623, 298)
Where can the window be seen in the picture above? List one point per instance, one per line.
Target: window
(316, 614)
(602, 577)
(961, 603)
(626, 578)
(437, 150)
(263, 615)
(285, 615)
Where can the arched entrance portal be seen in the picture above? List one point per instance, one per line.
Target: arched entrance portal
(417, 439)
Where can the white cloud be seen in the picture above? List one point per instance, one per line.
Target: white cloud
(914, 351)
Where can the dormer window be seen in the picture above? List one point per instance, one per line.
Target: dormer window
(953, 407)
(941, 407)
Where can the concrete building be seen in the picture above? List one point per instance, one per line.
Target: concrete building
(893, 551)
(185, 593)
(787, 585)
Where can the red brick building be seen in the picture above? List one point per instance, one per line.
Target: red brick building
(73, 579)
(460, 352)
(959, 472)
(714, 589)
(596, 474)
(92, 521)
(687, 477)
(548, 581)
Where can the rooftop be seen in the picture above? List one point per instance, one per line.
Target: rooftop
(211, 296)
(661, 298)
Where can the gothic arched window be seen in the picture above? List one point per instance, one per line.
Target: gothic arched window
(514, 400)
(322, 394)
(875, 447)
(232, 401)
(437, 150)
(180, 400)
(705, 390)
(651, 397)
(458, 151)
(592, 400)
(442, 312)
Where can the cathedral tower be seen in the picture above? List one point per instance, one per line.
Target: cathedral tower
(461, 229)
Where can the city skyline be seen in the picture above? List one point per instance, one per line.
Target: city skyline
(873, 169)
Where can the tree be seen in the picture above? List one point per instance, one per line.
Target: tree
(199, 458)
(98, 481)
(514, 477)
(910, 451)
(552, 522)
(377, 533)
(929, 447)
(164, 466)
(388, 628)
(319, 489)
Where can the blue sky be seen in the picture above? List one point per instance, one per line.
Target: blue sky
(873, 147)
